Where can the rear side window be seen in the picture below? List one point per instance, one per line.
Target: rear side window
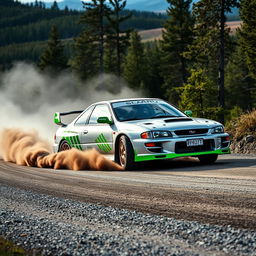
(83, 119)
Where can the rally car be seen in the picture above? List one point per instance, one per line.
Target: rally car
(136, 130)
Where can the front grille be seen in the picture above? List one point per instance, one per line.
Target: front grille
(181, 147)
(191, 132)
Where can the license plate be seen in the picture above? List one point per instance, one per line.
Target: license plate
(195, 142)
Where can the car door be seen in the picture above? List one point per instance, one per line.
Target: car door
(80, 129)
(99, 136)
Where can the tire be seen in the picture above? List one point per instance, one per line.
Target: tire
(208, 159)
(64, 146)
(125, 153)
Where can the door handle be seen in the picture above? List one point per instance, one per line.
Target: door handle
(85, 132)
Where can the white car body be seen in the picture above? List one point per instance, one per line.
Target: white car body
(150, 138)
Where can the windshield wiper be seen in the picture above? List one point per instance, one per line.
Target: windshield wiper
(162, 116)
(132, 119)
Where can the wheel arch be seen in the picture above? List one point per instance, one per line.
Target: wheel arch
(63, 139)
(117, 144)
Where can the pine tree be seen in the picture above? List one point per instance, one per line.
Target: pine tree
(211, 40)
(240, 85)
(55, 6)
(195, 93)
(118, 39)
(176, 38)
(248, 34)
(135, 63)
(96, 27)
(53, 58)
(85, 62)
(154, 83)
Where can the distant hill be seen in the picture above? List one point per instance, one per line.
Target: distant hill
(140, 5)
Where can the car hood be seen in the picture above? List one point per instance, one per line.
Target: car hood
(180, 123)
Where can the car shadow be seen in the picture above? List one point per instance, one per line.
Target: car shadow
(193, 164)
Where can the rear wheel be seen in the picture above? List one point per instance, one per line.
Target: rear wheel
(64, 146)
(126, 153)
(208, 159)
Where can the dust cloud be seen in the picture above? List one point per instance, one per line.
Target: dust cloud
(28, 100)
(27, 149)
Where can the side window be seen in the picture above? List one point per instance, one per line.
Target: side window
(99, 111)
(82, 120)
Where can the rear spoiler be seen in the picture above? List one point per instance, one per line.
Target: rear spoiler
(57, 116)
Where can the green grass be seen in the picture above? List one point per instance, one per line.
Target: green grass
(7, 248)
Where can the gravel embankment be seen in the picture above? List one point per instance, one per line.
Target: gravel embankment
(57, 226)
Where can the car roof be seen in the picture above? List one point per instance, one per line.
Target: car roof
(128, 99)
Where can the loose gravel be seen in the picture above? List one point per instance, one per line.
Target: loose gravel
(55, 226)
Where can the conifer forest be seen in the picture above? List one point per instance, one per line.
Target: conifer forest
(198, 64)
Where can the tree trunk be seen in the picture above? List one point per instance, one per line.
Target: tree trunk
(222, 60)
(101, 46)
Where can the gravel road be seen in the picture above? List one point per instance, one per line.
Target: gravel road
(55, 226)
(167, 208)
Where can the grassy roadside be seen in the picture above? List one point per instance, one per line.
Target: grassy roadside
(7, 248)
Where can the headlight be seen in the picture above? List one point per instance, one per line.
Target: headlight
(155, 134)
(217, 129)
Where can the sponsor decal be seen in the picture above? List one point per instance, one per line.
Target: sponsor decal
(135, 102)
(103, 144)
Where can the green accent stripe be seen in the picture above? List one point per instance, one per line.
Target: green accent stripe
(79, 143)
(76, 142)
(73, 138)
(171, 156)
(102, 143)
(103, 146)
(103, 139)
(107, 146)
(68, 140)
(72, 141)
(70, 132)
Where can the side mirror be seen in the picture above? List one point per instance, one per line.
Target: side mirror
(188, 112)
(104, 120)
(57, 119)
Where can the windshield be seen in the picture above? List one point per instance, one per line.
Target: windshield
(144, 109)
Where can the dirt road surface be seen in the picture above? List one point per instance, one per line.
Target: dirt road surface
(223, 193)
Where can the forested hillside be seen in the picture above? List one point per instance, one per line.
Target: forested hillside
(21, 23)
(25, 27)
(198, 64)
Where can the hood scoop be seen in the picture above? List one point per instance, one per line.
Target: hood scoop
(178, 120)
(148, 123)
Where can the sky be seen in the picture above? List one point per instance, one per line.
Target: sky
(32, 1)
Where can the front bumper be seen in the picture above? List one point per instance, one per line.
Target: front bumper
(176, 147)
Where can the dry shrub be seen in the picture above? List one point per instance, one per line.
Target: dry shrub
(245, 125)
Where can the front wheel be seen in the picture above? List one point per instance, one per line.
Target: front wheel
(208, 159)
(64, 146)
(126, 153)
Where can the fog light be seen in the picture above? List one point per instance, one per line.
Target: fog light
(150, 145)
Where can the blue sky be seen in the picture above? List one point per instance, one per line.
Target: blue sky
(32, 1)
